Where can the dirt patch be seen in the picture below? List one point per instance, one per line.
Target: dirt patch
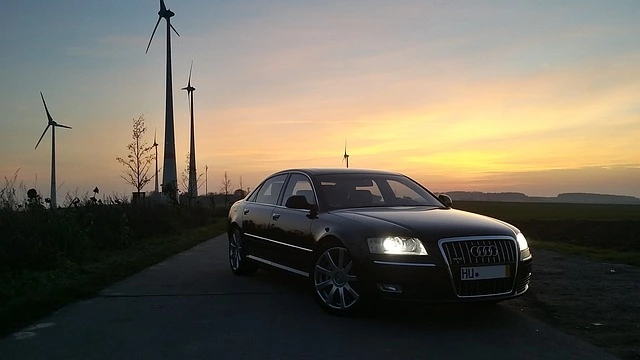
(599, 302)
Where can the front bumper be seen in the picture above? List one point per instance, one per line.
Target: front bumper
(433, 282)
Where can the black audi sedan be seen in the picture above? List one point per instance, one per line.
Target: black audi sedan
(359, 235)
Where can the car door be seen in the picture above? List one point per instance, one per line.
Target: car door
(256, 217)
(291, 228)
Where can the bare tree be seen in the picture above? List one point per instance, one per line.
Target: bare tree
(184, 177)
(136, 166)
(226, 188)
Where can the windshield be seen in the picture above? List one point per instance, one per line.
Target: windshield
(342, 191)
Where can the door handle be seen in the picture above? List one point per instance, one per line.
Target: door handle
(246, 211)
(275, 216)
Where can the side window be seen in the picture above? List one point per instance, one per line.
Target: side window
(299, 185)
(269, 191)
(253, 195)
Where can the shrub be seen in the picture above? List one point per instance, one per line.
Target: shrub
(36, 238)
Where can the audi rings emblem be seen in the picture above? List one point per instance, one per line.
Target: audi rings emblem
(484, 251)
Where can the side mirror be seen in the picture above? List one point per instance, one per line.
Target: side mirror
(445, 199)
(298, 202)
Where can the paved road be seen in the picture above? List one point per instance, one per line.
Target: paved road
(192, 307)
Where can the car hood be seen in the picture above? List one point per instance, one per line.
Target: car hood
(428, 223)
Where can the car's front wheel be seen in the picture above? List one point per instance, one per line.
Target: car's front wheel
(240, 264)
(334, 280)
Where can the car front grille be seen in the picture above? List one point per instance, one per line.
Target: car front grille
(476, 253)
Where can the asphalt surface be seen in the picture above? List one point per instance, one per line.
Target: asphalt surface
(192, 307)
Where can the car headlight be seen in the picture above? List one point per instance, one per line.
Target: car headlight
(522, 242)
(396, 245)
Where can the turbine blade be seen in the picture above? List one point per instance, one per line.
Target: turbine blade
(49, 118)
(162, 6)
(64, 126)
(153, 33)
(174, 29)
(44, 132)
(190, 68)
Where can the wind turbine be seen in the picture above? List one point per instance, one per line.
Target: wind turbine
(51, 123)
(193, 181)
(155, 145)
(169, 172)
(345, 156)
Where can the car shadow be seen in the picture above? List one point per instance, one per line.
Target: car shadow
(405, 313)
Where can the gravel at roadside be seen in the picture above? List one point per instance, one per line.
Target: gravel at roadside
(599, 302)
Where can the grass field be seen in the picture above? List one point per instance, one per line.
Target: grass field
(603, 232)
(513, 211)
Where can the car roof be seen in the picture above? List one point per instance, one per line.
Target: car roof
(337, 171)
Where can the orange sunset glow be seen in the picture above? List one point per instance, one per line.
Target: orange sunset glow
(467, 96)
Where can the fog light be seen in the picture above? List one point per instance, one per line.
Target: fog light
(391, 288)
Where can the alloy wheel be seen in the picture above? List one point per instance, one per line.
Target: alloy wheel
(238, 261)
(334, 279)
(235, 250)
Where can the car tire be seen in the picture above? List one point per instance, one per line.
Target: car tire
(238, 261)
(334, 282)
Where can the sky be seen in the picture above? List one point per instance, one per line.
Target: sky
(539, 97)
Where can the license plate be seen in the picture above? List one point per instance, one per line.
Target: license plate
(484, 272)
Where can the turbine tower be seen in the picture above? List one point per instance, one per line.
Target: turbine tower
(193, 180)
(169, 171)
(51, 123)
(155, 145)
(345, 156)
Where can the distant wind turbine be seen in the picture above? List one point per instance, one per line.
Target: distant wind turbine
(169, 172)
(193, 180)
(155, 145)
(51, 123)
(345, 156)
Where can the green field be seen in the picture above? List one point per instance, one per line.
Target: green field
(602, 232)
(511, 211)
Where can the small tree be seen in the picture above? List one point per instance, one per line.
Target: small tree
(184, 177)
(226, 188)
(135, 168)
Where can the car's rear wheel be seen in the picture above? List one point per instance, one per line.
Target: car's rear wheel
(240, 264)
(335, 284)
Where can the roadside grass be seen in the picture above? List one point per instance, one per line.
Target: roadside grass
(27, 295)
(601, 255)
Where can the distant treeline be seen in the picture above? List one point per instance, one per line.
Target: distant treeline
(575, 198)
